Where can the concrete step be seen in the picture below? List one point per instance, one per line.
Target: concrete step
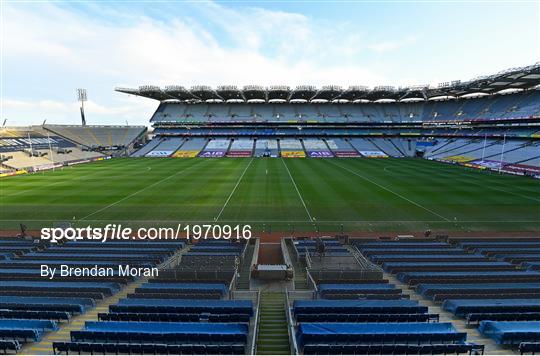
(273, 336)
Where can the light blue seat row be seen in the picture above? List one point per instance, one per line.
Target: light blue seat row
(218, 287)
(500, 244)
(83, 285)
(428, 288)
(389, 265)
(466, 306)
(508, 250)
(140, 305)
(108, 249)
(406, 276)
(57, 262)
(360, 286)
(7, 324)
(414, 244)
(87, 302)
(159, 327)
(380, 333)
(413, 257)
(126, 244)
(511, 332)
(214, 253)
(95, 254)
(13, 329)
(357, 306)
(412, 250)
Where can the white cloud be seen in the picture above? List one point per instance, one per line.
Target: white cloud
(387, 46)
(56, 50)
(68, 112)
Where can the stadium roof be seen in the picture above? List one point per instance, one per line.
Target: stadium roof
(514, 78)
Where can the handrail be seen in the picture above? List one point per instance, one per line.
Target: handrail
(256, 324)
(290, 328)
(308, 258)
(255, 257)
(233, 281)
(311, 281)
(286, 257)
(363, 261)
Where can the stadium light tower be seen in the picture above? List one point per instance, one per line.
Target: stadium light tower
(81, 96)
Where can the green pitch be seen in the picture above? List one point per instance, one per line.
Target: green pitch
(274, 195)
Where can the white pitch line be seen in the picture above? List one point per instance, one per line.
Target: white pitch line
(83, 177)
(234, 189)
(389, 190)
(295, 187)
(498, 189)
(477, 178)
(288, 221)
(137, 192)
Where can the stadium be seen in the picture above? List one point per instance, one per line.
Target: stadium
(390, 160)
(271, 218)
(381, 221)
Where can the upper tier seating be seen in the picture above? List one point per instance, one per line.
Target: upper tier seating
(98, 136)
(516, 105)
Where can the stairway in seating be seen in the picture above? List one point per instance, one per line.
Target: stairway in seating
(245, 269)
(44, 347)
(273, 336)
(473, 335)
(300, 274)
(77, 322)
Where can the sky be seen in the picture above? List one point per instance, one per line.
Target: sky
(49, 49)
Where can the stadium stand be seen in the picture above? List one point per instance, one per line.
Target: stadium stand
(187, 309)
(291, 148)
(367, 148)
(165, 148)
(266, 148)
(455, 123)
(349, 306)
(28, 149)
(31, 305)
(215, 148)
(479, 281)
(99, 137)
(316, 148)
(342, 148)
(356, 311)
(241, 148)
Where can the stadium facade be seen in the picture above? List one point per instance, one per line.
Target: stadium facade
(489, 122)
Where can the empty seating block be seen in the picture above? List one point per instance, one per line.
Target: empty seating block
(357, 306)
(320, 333)
(511, 332)
(464, 306)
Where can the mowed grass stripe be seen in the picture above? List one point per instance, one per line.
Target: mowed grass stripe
(234, 189)
(266, 197)
(297, 191)
(151, 186)
(451, 192)
(196, 195)
(265, 194)
(528, 189)
(74, 199)
(374, 182)
(474, 189)
(43, 180)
